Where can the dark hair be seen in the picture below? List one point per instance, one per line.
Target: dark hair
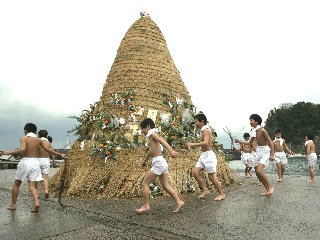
(43, 133)
(49, 139)
(277, 131)
(246, 135)
(201, 117)
(257, 118)
(146, 122)
(30, 127)
(310, 136)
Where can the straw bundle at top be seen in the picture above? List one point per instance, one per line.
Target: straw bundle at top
(143, 76)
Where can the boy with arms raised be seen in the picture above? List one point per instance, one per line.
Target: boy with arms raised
(245, 155)
(28, 168)
(207, 160)
(280, 157)
(264, 151)
(159, 166)
(311, 156)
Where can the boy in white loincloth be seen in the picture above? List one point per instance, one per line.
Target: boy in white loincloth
(28, 168)
(311, 156)
(245, 155)
(264, 151)
(280, 157)
(254, 157)
(159, 166)
(207, 160)
(44, 161)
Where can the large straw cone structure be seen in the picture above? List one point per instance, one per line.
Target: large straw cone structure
(143, 64)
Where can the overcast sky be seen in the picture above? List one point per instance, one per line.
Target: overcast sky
(235, 57)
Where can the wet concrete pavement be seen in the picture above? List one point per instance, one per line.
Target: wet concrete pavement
(292, 212)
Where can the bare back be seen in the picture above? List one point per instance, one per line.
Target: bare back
(43, 153)
(311, 147)
(31, 146)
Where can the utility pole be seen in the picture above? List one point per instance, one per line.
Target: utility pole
(68, 146)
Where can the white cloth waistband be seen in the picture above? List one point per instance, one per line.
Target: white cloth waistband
(157, 158)
(263, 147)
(29, 158)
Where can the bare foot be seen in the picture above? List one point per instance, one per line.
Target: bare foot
(311, 181)
(35, 209)
(46, 195)
(143, 209)
(270, 191)
(203, 194)
(263, 194)
(12, 207)
(220, 197)
(179, 206)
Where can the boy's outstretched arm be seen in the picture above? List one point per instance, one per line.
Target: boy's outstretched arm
(145, 159)
(286, 148)
(165, 144)
(244, 142)
(43, 145)
(205, 142)
(21, 149)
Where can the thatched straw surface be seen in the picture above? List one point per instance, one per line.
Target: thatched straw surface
(123, 178)
(144, 65)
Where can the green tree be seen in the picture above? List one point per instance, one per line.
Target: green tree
(295, 121)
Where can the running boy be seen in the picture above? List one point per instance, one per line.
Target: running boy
(280, 157)
(311, 156)
(44, 161)
(159, 166)
(28, 168)
(207, 160)
(263, 151)
(253, 156)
